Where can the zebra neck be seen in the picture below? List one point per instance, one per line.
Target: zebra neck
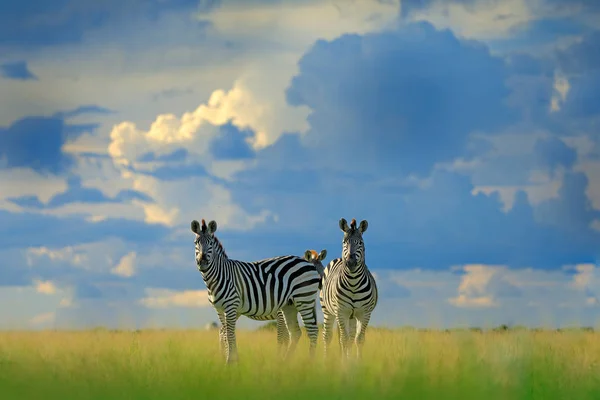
(359, 271)
(214, 271)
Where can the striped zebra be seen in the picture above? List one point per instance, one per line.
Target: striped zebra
(349, 292)
(289, 334)
(254, 289)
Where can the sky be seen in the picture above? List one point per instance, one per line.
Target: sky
(466, 132)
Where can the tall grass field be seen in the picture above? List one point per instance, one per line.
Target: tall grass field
(397, 364)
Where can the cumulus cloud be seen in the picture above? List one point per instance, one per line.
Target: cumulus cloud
(195, 129)
(164, 298)
(287, 24)
(77, 256)
(534, 163)
(405, 100)
(46, 287)
(472, 18)
(586, 277)
(126, 266)
(561, 89)
(480, 285)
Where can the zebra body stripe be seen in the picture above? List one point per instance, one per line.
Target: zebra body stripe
(284, 334)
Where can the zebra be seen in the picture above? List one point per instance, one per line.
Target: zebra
(316, 259)
(254, 289)
(349, 292)
(291, 330)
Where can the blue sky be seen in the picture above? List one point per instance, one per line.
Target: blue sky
(465, 132)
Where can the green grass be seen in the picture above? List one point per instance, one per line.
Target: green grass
(405, 364)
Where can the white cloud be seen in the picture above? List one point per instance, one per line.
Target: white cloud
(43, 319)
(536, 193)
(480, 20)
(164, 298)
(510, 149)
(463, 300)
(102, 174)
(96, 256)
(45, 287)
(298, 25)
(560, 90)
(66, 302)
(67, 254)
(18, 182)
(30, 306)
(195, 129)
(473, 288)
(587, 277)
(178, 201)
(591, 168)
(126, 266)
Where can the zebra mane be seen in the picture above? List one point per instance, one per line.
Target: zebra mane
(220, 246)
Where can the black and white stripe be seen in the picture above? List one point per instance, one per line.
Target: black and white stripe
(258, 289)
(290, 332)
(349, 292)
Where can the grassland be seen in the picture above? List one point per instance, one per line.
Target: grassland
(405, 364)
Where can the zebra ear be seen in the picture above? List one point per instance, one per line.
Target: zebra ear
(363, 226)
(322, 255)
(212, 227)
(196, 227)
(344, 225)
(308, 255)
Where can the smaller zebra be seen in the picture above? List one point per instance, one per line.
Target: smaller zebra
(348, 292)
(291, 334)
(316, 258)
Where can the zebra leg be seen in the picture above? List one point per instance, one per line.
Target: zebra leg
(308, 312)
(291, 321)
(344, 322)
(222, 334)
(328, 321)
(352, 331)
(231, 354)
(360, 339)
(283, 338)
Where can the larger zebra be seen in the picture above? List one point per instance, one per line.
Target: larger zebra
(254, 289)
(349, 292)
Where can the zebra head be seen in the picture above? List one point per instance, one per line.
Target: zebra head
(205, 242)
(353, 246)
(316, 259)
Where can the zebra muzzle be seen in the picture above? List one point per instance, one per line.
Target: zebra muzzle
(201, 259)
(351, 261)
